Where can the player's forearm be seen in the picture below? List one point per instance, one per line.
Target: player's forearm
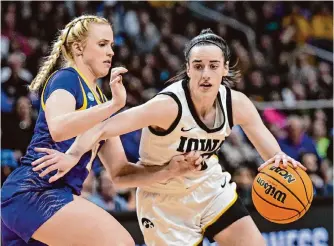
(136, 175)
(75, 123)
(85, 141)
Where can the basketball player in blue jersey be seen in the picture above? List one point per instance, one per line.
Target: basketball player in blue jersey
(196, 112)
(37, 212)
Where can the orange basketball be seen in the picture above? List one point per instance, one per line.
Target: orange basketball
(282, 195)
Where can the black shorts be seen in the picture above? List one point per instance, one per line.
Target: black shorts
(234, 213)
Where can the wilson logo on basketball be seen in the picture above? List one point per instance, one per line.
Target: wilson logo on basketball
(271, 190)
(284, 173)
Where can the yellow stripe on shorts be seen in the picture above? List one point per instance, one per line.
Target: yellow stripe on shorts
(217, 217)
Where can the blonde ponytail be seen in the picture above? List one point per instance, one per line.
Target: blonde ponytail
(73, 32)
(48, 65)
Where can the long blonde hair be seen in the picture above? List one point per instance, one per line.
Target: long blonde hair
(73, 32)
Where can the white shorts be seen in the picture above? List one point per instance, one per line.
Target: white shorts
(183, 219)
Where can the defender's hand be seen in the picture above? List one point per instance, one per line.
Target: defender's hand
(116, 85)
(54, 160)
(182, 164)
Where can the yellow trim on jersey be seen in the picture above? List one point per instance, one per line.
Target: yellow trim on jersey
(42, 96)
(84, 104)
(217, 217)
(102, 96)
(85, 80)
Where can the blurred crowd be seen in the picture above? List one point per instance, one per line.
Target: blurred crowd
(149, 40)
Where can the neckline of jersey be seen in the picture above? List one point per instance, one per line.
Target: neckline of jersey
(97, 98)
(193, 111)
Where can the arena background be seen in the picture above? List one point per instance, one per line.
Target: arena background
(285, 53)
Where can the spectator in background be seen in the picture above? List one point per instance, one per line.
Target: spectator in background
(320, 136)
(266, 46)
(256, 89)
(14, 81)
(297, 140)
(9, 32)
(148, 36)
(322, 27)
(275, 85)
(318, 176)
(325, 79)
(296, 27)
(131, 22)
(18, 127)
(107, 197)
(298, 90)
(236, 152)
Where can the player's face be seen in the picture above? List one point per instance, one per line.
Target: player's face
(206, 69)
(98, 52)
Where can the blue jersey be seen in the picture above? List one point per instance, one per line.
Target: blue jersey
(71, 80)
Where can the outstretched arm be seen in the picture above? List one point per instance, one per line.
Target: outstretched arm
(123, 173)
(126, 121)
(126, 174)
(160, 111)
(246, 115)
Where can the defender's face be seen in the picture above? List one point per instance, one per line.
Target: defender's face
(98, 52)
(206, 68)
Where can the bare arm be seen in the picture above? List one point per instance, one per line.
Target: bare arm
(126, 174)
(160, 111)
(123, 173)
(246, 115)
(64, 122)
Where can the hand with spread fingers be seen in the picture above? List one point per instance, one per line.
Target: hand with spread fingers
(54, 160)
(182, 164)
(283, 158)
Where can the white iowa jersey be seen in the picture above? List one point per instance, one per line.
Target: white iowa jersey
(187, 133)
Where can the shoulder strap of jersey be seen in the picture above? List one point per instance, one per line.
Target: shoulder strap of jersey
(177, 119)
(84, 96)
(229, 106)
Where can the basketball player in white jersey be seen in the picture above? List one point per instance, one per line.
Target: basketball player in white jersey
(197, 113)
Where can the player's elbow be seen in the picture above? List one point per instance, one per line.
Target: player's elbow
(103, 131)
(118, 181)
(57, 134)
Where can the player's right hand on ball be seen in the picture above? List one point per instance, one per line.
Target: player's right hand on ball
(54, 160)
(116, 85)
(182, 164)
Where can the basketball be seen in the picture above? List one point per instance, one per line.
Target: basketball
(282, 195)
